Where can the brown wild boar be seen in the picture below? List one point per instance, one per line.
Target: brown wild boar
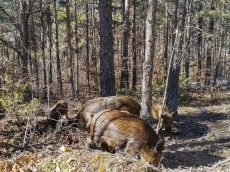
(111, 129)
(122, 103)
(167, 117)
(57, 111)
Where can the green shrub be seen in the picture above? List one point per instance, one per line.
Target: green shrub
(14, 96)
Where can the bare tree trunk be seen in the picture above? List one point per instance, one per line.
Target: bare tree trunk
(209, 49)
(134, 50)
(124, 59)
(70, 52)
(58, 65)
(199, 41)
(35, 58)
(49, 46)
(166, 40)
(173, 78)
(42, 30)
(76, 51)
(107, 77)
(24, 38)
(87, 43)
(186, 52)
(220, 44)
(94, 48)
(148, 61)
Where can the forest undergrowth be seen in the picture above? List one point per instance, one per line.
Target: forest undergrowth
(201, 142)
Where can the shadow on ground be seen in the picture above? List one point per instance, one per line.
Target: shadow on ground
(195, 125)
(190, 146)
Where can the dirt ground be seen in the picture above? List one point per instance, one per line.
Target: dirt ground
(201, 143)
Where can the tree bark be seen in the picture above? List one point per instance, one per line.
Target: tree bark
(186, 52)
(35, 58)
(70, 51)
(219, 55)
(87, 44)
(166, 39)
(209, 49)
(58, 65)
(49, 44)
(148, 61)
(173, 77)
(134, 50)
(199, 41)
(24, 38)
(94, 47)
(76, 49)
(107, 76)
(124, 59)
(42, 30)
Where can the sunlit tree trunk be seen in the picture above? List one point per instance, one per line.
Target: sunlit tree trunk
(94, 47)
(148, 61)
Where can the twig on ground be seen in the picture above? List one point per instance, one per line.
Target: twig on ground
(219, 163)
(25, 135)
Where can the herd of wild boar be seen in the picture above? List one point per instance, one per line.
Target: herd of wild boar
(114, 123)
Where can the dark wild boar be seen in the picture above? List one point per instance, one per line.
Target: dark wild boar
(167, 117)
(111, 129)
(57, 111)
(122, 103)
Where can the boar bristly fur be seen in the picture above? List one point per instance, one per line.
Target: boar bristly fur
(167, 117)
(111, 129)
(122, 103)
(57, 111)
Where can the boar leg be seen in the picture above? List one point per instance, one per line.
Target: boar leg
(111, 144)
(108, 144)
(132, 148)
(90, 143)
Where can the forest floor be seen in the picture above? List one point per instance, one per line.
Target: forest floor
(201, 143)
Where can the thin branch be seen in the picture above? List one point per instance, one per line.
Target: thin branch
(11, 46)
(11, 20)
(166, 87)
(25, 135)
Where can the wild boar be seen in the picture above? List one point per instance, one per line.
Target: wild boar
(57, 111)
(122, 103)
(112, 129)
(167, 117)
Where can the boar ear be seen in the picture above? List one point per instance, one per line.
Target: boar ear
(160, 145)
(89, 120)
